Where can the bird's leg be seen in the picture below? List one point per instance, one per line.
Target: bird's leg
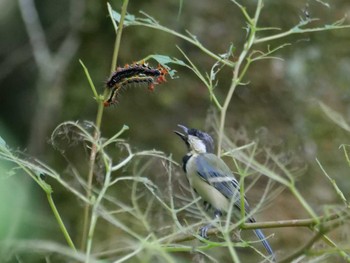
(204, 230)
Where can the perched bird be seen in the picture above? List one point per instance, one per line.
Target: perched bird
(212, 179)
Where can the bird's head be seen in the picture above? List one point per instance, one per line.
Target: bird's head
(196, 140)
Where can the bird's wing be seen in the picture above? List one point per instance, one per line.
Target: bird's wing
(215, 172)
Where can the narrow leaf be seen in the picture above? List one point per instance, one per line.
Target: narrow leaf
(334, 116)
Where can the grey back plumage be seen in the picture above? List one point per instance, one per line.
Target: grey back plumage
(215, 172)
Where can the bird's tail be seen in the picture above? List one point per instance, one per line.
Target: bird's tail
(266, 244)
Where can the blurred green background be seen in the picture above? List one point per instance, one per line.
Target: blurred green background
(42, 87)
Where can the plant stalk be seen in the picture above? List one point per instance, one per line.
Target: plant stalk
(236, 74)
(94, 148)
(60, 222)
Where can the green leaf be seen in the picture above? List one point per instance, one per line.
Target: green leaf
(165, 60)
(128, 20)
(334, 116)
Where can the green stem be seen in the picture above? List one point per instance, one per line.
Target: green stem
(119, 30)
(303, 249)
(91, 174)
(331, 243)
(332, 219)
(90, 80)
(208, 83)
(298, 30)
(48, 190)
(304, 203)
(99, 100)
(236, 73)
(97, 202)
(188, 39)
(320, 234)
(231, 249)
(92, 158)
(60, 222)
(94, 148)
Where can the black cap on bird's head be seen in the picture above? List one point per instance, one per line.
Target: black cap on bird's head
(196, 140)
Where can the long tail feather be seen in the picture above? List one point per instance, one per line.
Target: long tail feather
(266, 244)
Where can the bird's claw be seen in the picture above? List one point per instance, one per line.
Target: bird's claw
(203, 231)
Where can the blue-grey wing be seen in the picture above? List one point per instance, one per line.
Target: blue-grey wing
(215, 172)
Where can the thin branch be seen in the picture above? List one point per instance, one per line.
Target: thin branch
(98, 123)
(298, 30)
(309, 223)
(236, 79)
(153, 24)
(320, 234)
(60, 221)
(119, 30)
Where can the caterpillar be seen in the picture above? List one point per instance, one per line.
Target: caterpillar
(136, 69)
(136, 74)
(132, 81)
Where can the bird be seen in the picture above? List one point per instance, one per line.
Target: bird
(213, 180)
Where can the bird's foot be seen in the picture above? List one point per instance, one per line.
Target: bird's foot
(203, 231)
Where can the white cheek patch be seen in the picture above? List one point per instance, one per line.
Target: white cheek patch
(196, 144)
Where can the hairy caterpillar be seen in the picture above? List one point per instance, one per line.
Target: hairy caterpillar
(136, 74)
(147, 81)
(136, 70)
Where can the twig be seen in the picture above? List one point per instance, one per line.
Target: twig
(119, 30)
(298, 30)
(236, 72)
(60, 222)
(309, 223)
(98, 126)
(190, 39)
(321, 232)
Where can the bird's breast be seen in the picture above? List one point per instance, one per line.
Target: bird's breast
(208, 192)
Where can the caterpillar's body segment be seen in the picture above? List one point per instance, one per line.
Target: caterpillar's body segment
(133, 81)
(136, 74)
(136, 70)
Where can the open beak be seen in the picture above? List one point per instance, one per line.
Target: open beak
(181, 135)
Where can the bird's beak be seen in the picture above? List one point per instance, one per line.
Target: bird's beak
(182, 136)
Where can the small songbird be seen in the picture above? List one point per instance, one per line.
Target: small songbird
(212, 179)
